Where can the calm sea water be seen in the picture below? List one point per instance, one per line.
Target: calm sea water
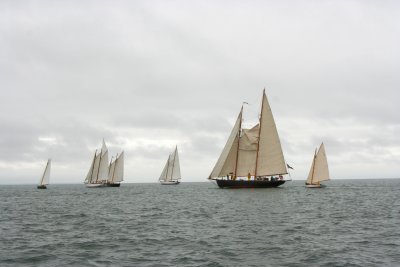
(349, 223)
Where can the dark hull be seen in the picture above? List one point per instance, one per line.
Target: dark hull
(41, 187)
(248, 184)
(113, 185)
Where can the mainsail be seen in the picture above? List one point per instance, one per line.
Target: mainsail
(255, 152)
(44, 180)
(171, 171)
(116, 169)
(319, 168)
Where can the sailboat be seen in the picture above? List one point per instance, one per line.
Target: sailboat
(116, 171)
(252, 158)
(98, 172)
(44, 180)
(319, 169)
(171, 173)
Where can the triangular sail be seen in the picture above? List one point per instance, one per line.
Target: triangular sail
(96, 166)
(44, 180)
(319, 169)
(163, 175)
(226, 163)
(270, 160)
(118, 171)
(176, 170)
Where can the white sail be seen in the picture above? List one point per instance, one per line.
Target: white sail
(44, 180)
(270, 156)
(226, 163)
(171, 171)
(91, 169)
(103, 164)
(176, 170)
(163, 175)
(319, 169)
(118, 169)
(96, 166)
(247, 151)
(111, 170)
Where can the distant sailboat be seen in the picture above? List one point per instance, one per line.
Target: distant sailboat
(98, 172)
(116, 171)
(319, 169)
(252, 158)
(44, 180)
(171, 173)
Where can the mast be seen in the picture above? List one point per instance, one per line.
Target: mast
(315, 157)
(259, 134)
(237, 151)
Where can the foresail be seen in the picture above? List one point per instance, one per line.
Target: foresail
(96, 166)
(163, 175)
(311, 173)
(111, 170)
(103, 168)
(247, 152)
(46, 174)
(321, 171)
(227, 160)
(270, 156)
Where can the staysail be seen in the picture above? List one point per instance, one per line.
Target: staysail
(44, 180)
(319, 168)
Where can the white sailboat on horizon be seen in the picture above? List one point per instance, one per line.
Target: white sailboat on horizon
(171, 173)
(319, 169)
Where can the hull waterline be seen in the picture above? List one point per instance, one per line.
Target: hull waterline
(315, 185)
(41, 187)
(169, 183)
(248, 184)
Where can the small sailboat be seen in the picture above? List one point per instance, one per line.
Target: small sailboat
(319, 169)
(171, 173)
(116, 171)
(44, 180)
(98, 172)
(252, 158)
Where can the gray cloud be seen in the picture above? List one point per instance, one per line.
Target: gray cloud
(146, 75)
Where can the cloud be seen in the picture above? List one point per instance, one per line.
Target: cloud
(147, 75)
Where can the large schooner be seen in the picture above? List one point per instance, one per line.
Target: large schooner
(44, 180)
(98, 172)
(319, 169)
(252, 158)
(171, 173)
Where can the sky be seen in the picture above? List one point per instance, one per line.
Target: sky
(149, 75)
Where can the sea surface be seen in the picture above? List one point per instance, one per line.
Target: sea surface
(348, 223)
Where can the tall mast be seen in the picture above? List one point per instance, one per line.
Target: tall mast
(259, 134)
(47, 165)
(237, 151)
(315, 157)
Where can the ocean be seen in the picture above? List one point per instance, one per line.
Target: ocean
(348, 223)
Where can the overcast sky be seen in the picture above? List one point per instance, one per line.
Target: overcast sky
(146, 75)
